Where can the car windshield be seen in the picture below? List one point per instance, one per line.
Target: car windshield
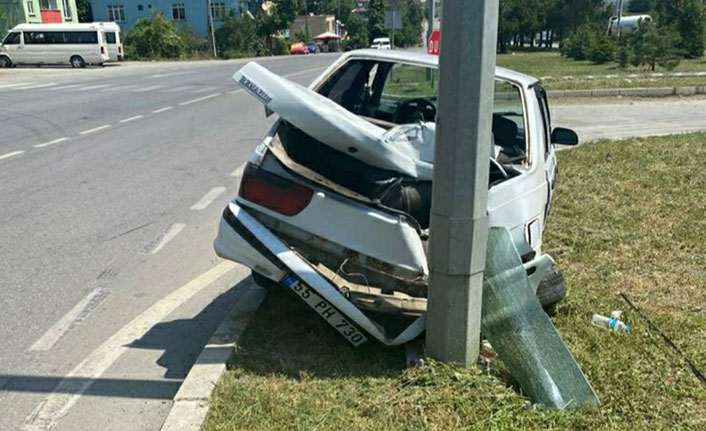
(389, 94)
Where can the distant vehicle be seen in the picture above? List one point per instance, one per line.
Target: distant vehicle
(74, 44)
(114, 40)
(381, 43)
(312, 48)
(628, 24)
(298, 48)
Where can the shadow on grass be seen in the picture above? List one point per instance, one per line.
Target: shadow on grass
(285, 337)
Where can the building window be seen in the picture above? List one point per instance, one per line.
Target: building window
(67, 9)
(48, 5)
(139, 7)
(178, 11)
(116, 12)
(30, 8)
(218, 10)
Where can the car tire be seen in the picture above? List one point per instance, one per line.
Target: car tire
(5, 61)
(77, 62)
(551, 290)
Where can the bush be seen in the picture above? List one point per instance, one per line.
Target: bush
(236, 39)
(153, 38)
(622, 53)
(194, 45)
(654, 46)
(279, 46)
(600, 49)
(576, 45)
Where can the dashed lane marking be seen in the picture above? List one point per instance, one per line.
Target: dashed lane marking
(93, 87)
(60, 328)
(12, 154)
(200, 99)
(164, 238)
(95, 129)
(127, 120)
(65, 87)
(238, 172)
(166, 108)
(57, 404)
(208, 198)
(150, 88)
(55, 141)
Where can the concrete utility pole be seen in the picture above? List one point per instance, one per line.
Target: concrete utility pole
(620, 16)
(459, 220)
(430, 18)
(212, 31)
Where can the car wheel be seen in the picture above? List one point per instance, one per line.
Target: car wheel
(77, 62)
(5, 62)
(551, 290)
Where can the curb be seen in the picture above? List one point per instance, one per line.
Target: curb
(630, 92)
(191, 402)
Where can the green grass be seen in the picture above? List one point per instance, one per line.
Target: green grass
(628, 216)
(551, 64)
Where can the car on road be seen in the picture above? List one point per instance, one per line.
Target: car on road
(337, 196)
(298, 48)
(381, 43)
(312, 48)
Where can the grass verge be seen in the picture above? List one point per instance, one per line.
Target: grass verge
(552, 64)
(628, 216)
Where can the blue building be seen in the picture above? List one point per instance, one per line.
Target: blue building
(190, 13)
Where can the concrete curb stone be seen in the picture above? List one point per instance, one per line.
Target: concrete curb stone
(630, 92)
(191, 402)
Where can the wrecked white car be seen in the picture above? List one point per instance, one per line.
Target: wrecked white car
(335, 202)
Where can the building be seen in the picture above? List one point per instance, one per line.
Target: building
(190, 13)
(316, 24)
(36, 11)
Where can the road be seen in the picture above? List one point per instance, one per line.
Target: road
(112, 182)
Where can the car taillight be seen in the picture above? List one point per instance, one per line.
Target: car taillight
(274, 193)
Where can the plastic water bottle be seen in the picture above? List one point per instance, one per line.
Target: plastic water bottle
(612, 323)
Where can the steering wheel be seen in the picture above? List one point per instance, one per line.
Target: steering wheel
(495, 164)
(406, 111)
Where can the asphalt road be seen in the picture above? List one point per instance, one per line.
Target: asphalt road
(112, 182)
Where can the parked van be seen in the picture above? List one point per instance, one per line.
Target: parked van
(381, 43)
(114, 40)
(628, 24)
(74, 44)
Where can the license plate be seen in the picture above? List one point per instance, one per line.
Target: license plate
(325, 310)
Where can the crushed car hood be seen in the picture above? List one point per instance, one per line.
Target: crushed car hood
(335, 126)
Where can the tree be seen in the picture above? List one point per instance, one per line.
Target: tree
(376, 19)
(357, 34)
(154, 37)
(84, 11)
(688, 18)
(654, 46)
(412, 17)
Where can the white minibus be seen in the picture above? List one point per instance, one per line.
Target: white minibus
(114, 40)
(74, 44)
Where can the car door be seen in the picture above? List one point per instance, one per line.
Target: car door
(12, 45)
(550, 168)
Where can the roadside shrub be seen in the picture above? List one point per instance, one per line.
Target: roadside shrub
(622, 53)
(600, 49)
(153, 38)
(279, 46)
(654, 46)
(194, 45)
(236, 38)
(576, 44)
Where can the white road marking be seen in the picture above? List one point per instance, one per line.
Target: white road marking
(238, 172)
(127, 120)
(95, 129)
(208, 198)
(167, 108)
(12, 154)
(69, 390)
(305, 71)
(55, 141)
(236, 91)
(65, 87)
(169, 235)
(164, 75)
(19, 84)
(54, 334)
(36, 86)
(123, 87)
(200, 99)
(153, 87)
(93, 87)
(175, 89)
(204, 89)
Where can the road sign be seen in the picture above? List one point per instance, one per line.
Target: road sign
(434, 42)
(393, 19)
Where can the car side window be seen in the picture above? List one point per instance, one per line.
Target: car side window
(12, 39)
(509, 123)
(546, 118)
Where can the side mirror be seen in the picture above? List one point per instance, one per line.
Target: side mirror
(268, 112)
(564, 136)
